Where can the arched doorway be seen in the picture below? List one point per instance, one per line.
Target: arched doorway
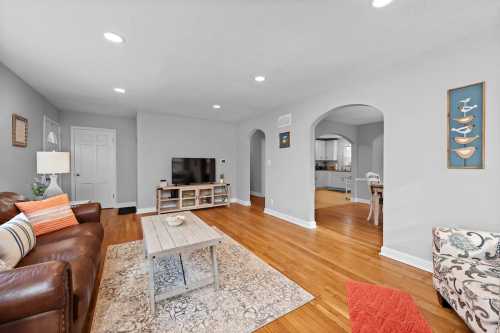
(362, 126)
(258, 169)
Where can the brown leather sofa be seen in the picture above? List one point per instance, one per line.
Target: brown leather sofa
(51, 288)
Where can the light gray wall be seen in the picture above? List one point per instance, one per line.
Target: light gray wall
(257, 160)
(126, 148)
(161, 137)
(18, 165)
(370, 144)
(420, 191)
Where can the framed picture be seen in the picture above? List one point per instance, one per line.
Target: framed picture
(466, 127)
(285, 139)
(19, 131)
(51, 135)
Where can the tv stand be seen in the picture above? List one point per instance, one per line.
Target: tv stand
(177, 198)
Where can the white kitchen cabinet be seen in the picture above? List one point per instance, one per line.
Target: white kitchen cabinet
(326, 150)
(337, 179)
(331, 148)
(320, 150)
(322, 178)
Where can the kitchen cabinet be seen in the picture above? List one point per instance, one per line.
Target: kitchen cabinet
(320, 150)
(326, 150)
(331, 148)
(322, 178)
(331, 179)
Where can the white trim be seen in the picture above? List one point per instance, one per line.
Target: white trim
(241, 202)
(291, 219)
(72, 150)
(406, 258)
(257, 194)
(146, 210)
(125, 204)
(360, 200)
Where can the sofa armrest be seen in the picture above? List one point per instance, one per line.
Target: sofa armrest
(37, 289)
(470, 244)
(88, 213)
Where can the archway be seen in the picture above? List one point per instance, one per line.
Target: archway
(362, 126)
(257, 169)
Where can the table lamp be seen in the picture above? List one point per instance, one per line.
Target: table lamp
(52, 163)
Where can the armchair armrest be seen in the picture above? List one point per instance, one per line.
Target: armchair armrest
(88, 213)
(470, 244)
(36, 289)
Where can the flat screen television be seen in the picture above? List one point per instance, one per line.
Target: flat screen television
(187, 171)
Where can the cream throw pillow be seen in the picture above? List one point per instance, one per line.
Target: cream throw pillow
(17, 238)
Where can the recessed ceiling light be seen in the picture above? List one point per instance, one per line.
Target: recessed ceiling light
(119, 90)
(114, 38)
(380, 3)
(216, 106)
(260, 78)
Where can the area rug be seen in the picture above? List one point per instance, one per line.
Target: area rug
(375, 309)
(251, 294)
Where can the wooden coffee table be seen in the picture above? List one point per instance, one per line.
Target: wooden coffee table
(162, 240)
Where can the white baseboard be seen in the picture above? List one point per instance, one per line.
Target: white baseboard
(125, 204)
(241, 202)
(291, 219)
(146, 210)
(406, 258)
(360, 200)
(257, 194)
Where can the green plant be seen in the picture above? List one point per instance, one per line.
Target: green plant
(38, 187)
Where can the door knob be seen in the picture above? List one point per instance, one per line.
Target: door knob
(78, 175)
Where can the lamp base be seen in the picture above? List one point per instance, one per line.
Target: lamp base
(53, 189)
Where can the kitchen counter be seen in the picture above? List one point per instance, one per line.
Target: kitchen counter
(338, 171)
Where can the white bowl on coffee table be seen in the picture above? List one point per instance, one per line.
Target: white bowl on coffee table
(176, 220)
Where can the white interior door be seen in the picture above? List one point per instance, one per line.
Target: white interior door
(94, 165)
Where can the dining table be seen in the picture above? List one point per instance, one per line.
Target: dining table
(377, 202)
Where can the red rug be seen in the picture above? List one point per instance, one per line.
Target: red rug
(375, 309)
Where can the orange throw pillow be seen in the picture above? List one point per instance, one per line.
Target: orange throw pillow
(48, 215)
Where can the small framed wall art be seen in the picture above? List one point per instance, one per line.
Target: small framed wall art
(19, 131)
(285, 139)
(466, 120)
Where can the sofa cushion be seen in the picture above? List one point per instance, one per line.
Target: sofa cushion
(472, 288)
(65, 250)
(49, 215)
(88, 229)
(17, 238)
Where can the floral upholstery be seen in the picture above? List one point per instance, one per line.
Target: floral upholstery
(467, 275)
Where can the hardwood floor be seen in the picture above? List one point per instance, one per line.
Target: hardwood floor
(325, 198)
(343, 247)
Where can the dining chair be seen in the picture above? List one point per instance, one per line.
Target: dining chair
(372, 178)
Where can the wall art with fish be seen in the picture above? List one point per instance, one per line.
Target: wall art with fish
(466, 127)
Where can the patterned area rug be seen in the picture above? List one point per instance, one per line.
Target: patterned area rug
(251, 294)
(375, 309)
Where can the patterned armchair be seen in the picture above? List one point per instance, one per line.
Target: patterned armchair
(467, 275)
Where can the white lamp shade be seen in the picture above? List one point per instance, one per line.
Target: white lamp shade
(52, 162)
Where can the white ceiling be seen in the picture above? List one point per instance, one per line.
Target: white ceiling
(180, 57)
(355, 115)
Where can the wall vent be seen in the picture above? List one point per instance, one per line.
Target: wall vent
(285, 120)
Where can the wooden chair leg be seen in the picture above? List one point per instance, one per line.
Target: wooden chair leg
(371, 210)
(442, 301)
